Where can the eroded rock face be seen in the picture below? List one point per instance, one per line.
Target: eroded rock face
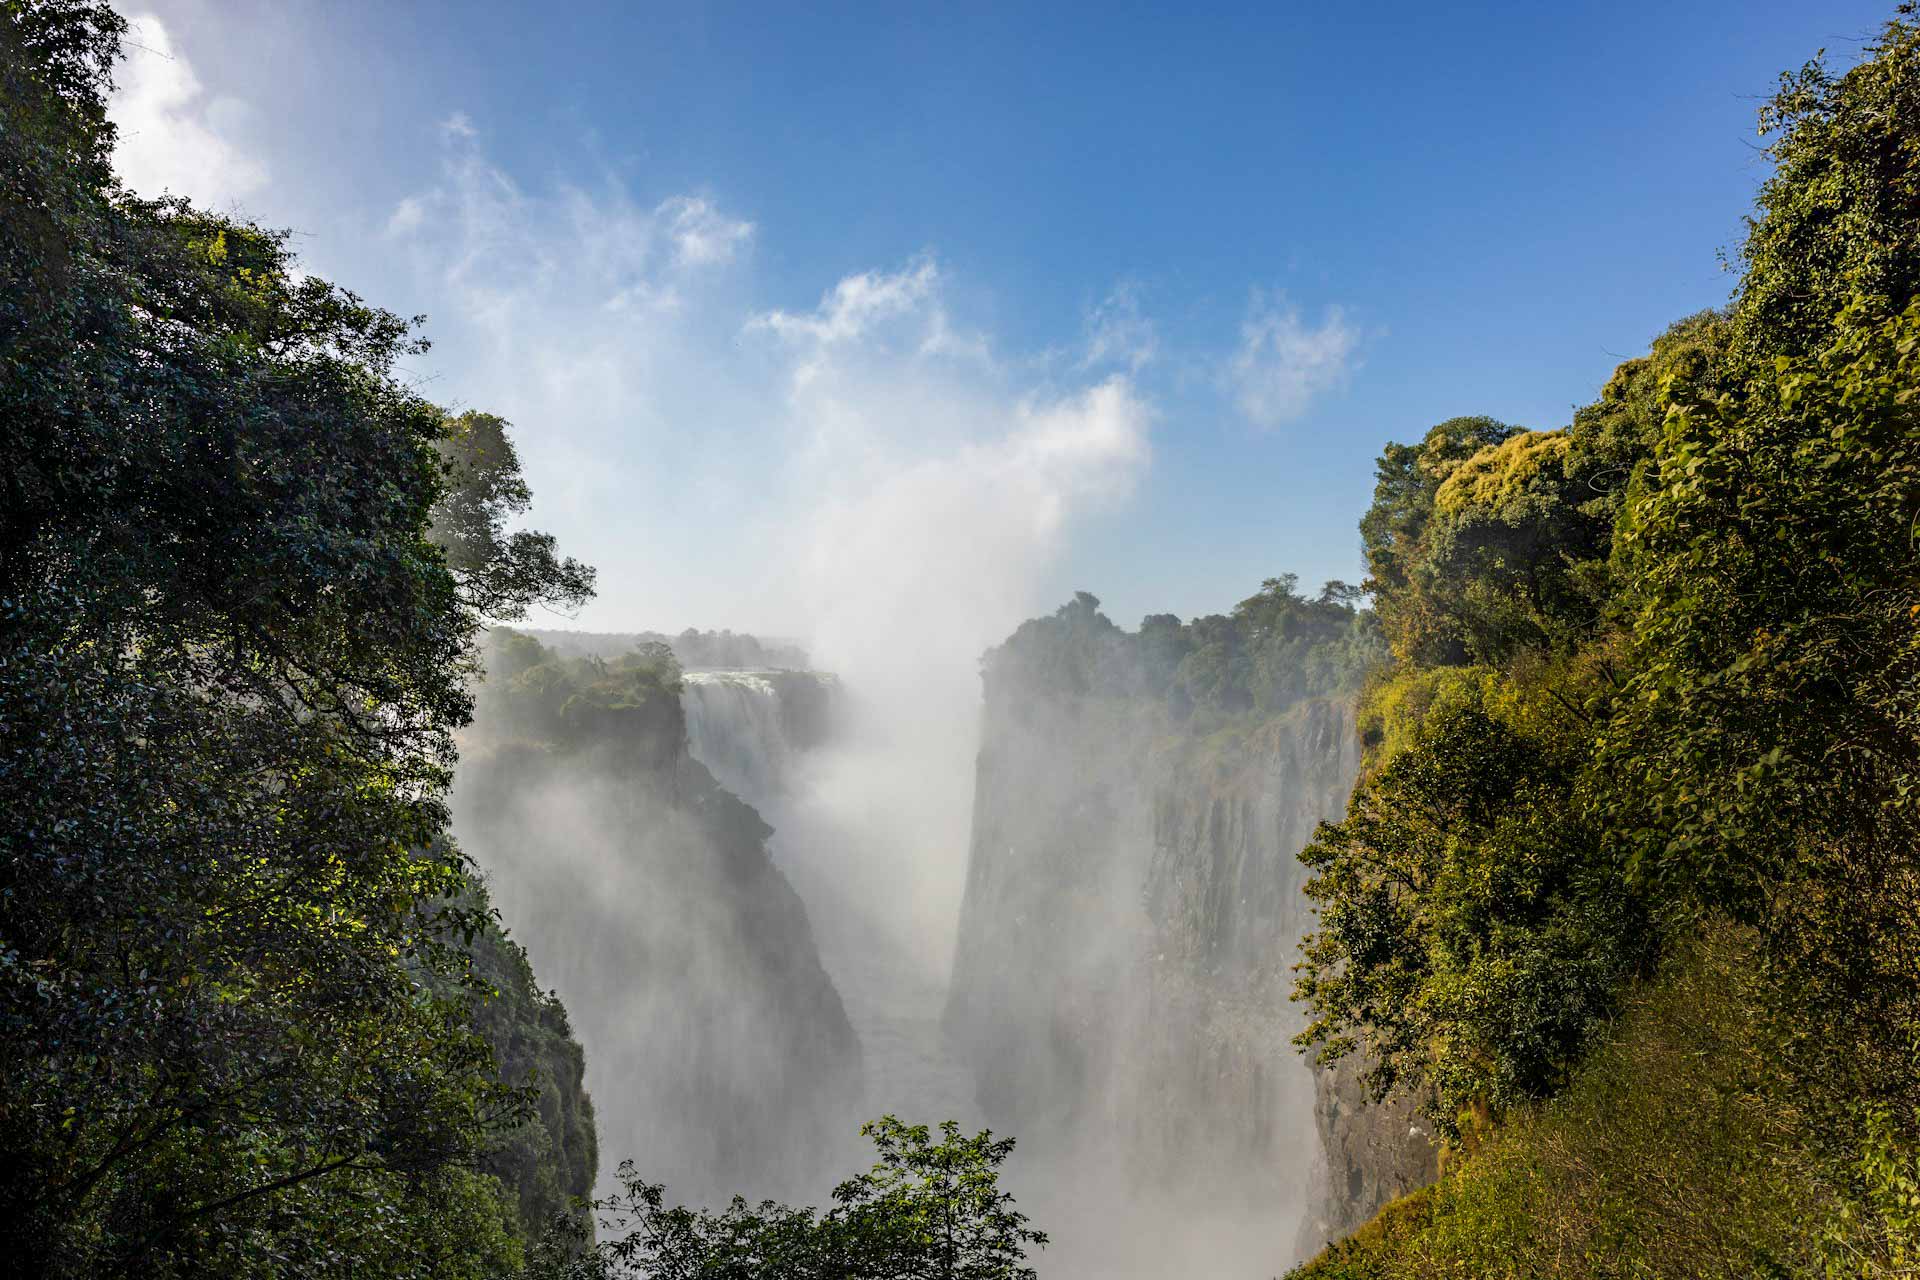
(1132, 914)
(718, 1052)
(1375, 1152)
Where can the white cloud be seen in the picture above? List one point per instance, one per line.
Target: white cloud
(857, 303)
(1118, 332)
(1282, 364)
(172, 136)
(863, 475)
(407, 217)
(745, 448)
(702, 234)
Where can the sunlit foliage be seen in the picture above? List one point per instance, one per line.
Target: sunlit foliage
(235, 1032)
(931, 1208)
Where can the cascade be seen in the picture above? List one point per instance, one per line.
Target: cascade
(774, 738)
(1121, 987)
(734, 727)
(719, 1055)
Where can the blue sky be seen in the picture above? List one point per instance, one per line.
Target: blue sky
(919, 318)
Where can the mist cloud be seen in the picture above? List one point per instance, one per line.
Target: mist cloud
(173, 136)
(875, 475)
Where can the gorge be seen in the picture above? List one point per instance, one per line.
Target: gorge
(1118, 997)
(1547, 904)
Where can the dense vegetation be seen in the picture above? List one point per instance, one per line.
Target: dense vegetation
(249, 1020)
(1276, 649)
(1628, 890)
(927, 1210)
(692, 648)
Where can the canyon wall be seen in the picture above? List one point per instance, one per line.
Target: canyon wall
(719, 1054)
(1133, 910)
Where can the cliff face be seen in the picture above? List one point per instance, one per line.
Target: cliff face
(1132, 916)
(718, 1051)
(550, 1160)
(1132, 909)
(1375, 1152)
(1224, 902)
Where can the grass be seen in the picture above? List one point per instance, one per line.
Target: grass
(1678, 1150)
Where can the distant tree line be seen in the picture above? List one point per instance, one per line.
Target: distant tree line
(1276, 649)
(693, 649)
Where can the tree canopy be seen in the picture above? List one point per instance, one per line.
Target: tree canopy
(931, 1208)
(235, 993)
(1653, 683)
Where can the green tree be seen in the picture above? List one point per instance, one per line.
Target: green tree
(1393, 534)
(1471, 936)
(232, 659)
(929, 1209)
(1839, 217)
(499, 572)
(1767, 747)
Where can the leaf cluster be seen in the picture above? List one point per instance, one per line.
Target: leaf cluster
(236, 1032)
(931, 1208)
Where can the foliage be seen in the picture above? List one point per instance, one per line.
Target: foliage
(927, 1209)
(1839, 217)
(1277, 648)
(631, 702)
(1470, 936)
(232, 660)
(1655, 682)
(1877, 1235)
(1768, 745)
(1394, 530)
(1678, 1148)
(1486, 542)
(499, 573)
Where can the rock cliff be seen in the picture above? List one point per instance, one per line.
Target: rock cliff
(719, 1054)
(1132, 915)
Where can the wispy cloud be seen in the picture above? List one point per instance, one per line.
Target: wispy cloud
(868, 474)
(1119, 332)
(173, 136)
(1283, 364)
(863, 474)
(701, 234)
(858, 303)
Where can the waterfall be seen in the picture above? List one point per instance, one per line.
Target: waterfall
(735, 727)
(718, 1051)
(1121, 988)
(782, 741)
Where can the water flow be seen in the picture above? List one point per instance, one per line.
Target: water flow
(734, 728)
(824, 840)
(1124, 968)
